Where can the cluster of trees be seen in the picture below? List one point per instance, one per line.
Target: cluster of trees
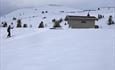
(56, 23)
(19, 24)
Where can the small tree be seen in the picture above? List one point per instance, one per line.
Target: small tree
(100, 16)
(19, 23)
(30, 26)
(56, 24)
(53, 20)
(88, 15)
(14, 18)
(44, 17)
(96, 26)
(110, 20)
(46, 11)
(43, 12)
(25, 26)
(98, 8)
(41, 25)
(60, 20)
(65, 24)
(4, 24)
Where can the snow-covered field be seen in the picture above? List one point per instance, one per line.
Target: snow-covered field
(57, 49)
(71, 49)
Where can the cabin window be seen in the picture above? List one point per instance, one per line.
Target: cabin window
(83, 21)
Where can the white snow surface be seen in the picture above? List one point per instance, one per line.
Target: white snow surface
(70, 49)
(57, 49)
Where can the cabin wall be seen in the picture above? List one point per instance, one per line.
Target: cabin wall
(80, 24)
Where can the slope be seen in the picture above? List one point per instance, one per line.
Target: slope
(44, 49)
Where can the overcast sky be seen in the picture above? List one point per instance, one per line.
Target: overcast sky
(7, 6)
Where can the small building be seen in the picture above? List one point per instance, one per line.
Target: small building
(81, 21)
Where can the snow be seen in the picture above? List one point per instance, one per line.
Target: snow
(57, 49)
(71, 49)
(33, 16)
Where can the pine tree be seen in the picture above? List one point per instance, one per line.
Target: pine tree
(88, 15)
(41, 25)
(19, 23)
(110, 20)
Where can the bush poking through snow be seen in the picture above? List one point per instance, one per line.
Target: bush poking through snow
(19, 23)
(98, 8)
(96, 26)
(25, 26)
(53, 20)
(60, 20)
(4, 24)
(14, 18)
(88, 15)
(46, 11)
(65, 24)
(56, 24)
(100, 16)
(43, 12)
(44, 17)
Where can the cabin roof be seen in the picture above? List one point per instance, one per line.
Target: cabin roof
(80, 18)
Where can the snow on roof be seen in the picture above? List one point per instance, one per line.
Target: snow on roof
(80, 17)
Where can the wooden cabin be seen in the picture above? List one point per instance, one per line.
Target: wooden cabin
(81, 21)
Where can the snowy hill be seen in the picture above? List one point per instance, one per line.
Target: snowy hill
(33, 16)
(44, 49)
(57, 49)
